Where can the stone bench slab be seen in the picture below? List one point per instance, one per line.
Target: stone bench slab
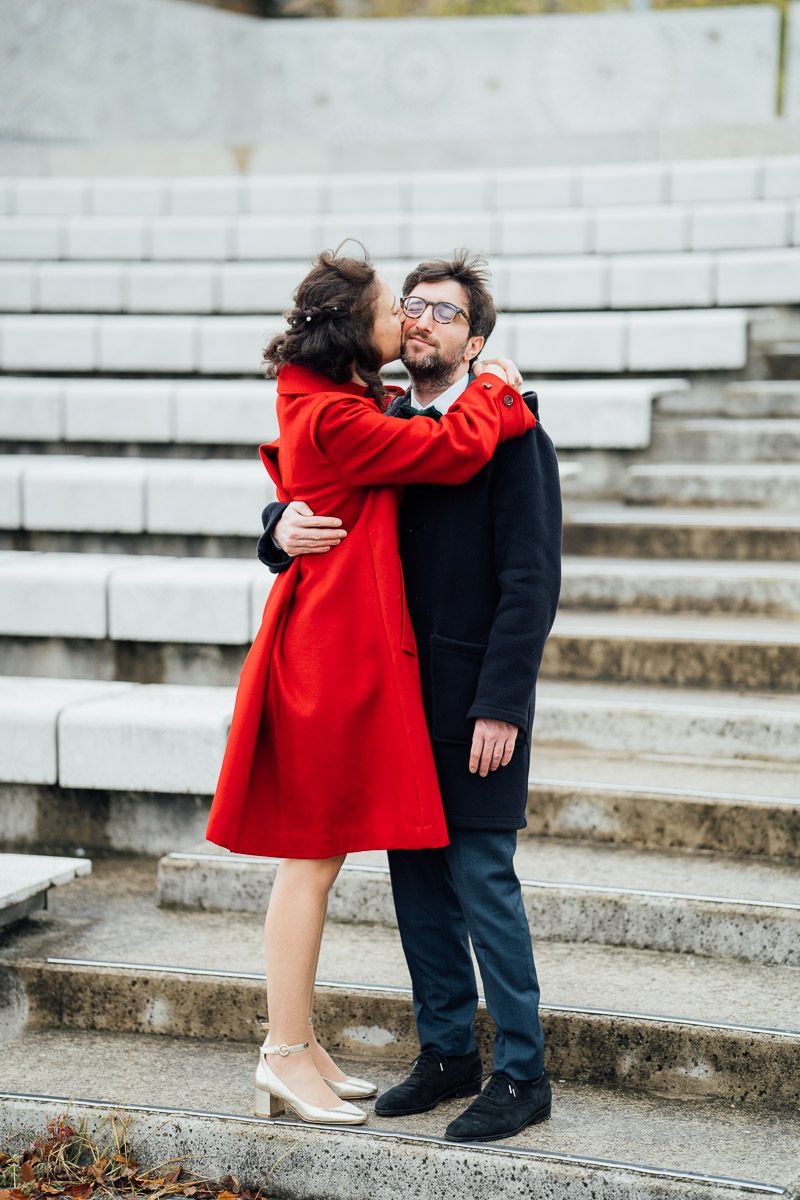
(170, 738)
(770, 485)
(743, 179)
(529, 230)
(75, 492)
(580, 343)
(29, 714)
(25, 880)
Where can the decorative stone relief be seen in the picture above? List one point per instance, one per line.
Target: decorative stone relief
(159, 70)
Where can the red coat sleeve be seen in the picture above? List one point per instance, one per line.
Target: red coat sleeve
(367, 449)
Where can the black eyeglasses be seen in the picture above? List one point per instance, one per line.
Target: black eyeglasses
(443, 311)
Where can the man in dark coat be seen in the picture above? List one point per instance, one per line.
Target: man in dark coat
(482, 567)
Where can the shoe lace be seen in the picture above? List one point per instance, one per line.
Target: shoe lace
(428, 1059)
(499, 1083)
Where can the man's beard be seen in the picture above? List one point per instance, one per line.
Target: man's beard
(434, 369)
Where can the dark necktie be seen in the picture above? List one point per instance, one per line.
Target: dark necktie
(407, 410)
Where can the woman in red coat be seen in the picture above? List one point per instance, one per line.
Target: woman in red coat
(328, 750)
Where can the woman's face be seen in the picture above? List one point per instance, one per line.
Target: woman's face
(387, 324)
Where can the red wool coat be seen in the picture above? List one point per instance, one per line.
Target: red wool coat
(328, 750)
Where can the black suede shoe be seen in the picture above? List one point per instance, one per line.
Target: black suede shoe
(434, 1077)
(504, 1107)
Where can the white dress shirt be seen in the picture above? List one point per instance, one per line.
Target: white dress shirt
(447, 397)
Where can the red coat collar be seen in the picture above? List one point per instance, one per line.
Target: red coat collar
(294, 380)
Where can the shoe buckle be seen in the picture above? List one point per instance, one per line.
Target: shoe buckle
(283, 1050)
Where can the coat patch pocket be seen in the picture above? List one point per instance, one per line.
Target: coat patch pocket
(455, 671)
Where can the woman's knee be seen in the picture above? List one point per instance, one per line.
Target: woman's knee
(317, 873)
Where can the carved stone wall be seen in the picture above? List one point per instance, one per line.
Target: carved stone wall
(162, 70)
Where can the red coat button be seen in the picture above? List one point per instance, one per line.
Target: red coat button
(487, 385)
(508, 401)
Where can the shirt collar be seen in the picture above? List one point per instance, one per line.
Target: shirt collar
(447, 398)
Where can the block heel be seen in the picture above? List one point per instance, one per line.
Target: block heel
(268, 1105)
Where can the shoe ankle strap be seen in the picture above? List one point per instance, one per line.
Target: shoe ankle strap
(283, 1049)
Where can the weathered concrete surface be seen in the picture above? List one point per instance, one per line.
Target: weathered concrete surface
(367, 1164)
(659, 720)
(53, 819)
(663, 805)
(693, 586)
(85, 922)
(676, 650)
(662, 1056)
(771, 485)
(707, 439)
(602, 529)
(730, 534)
(571, 893)
(242, 80)
(743, 399)
(682, 651)
(676, 804)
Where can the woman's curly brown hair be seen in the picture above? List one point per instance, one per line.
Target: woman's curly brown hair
(330, 326)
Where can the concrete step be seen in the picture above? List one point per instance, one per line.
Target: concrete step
(749, 809)
(207, 417)
(200, 1112)
(573, 343)
(663, 802)
(662, 532)
(680, 585)
(720, 908)
(597, 529)
(151, 597)
(669, 1024)
(689, 721)
(74, 493)
(771, 485)
(170, 738)
(164, 620)
(680, 650)
(150, 644)
(78, 494)
(591, 185)
(754, 226)
(745, 399)
(602, 277)
(710, 440)
(26, 879)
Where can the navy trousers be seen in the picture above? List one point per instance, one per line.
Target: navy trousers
(444, 898)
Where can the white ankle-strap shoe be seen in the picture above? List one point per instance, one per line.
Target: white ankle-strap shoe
(273, 1095)
(349, 1088)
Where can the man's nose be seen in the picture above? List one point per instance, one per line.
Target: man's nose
(426, 320)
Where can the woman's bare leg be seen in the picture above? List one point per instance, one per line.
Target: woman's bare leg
(322, 1060)
(292, 933)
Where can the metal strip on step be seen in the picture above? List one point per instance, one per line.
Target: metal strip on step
(641, 789)
(389, 989)
(749, 1185)
(545, 884)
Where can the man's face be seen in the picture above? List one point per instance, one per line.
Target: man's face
(432, 352)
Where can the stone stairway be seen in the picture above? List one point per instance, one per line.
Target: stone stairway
(660, 861)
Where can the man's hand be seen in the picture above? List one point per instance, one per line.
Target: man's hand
(300, 532)
(504, 367)
(492, 745)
